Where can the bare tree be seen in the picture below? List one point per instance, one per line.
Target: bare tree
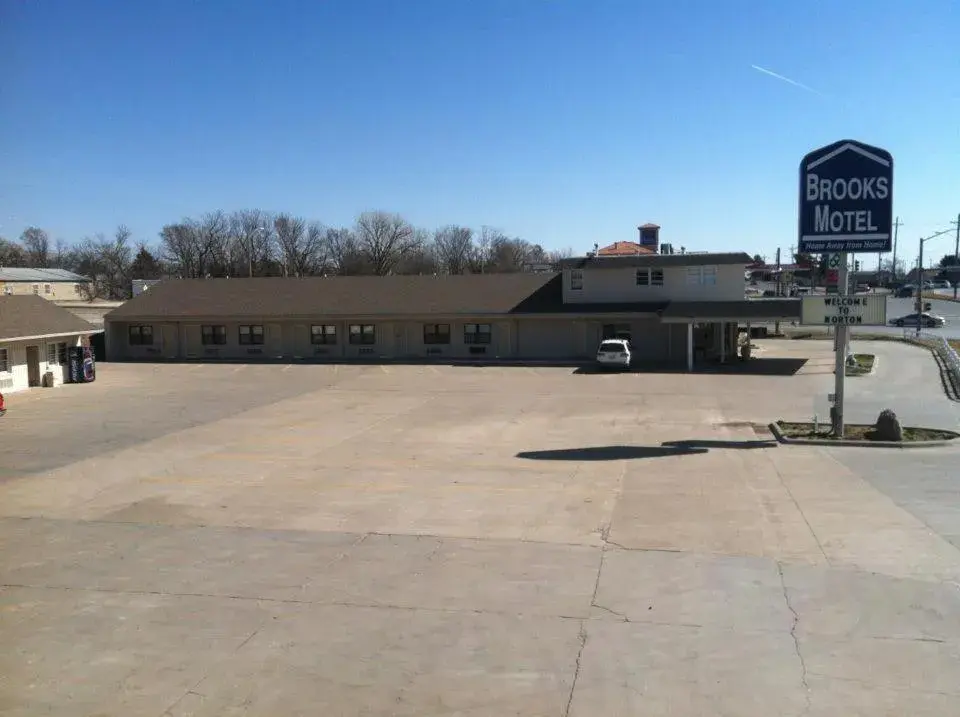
(423, 259)
(179, 245)
(509, 255)
(11, 253)
(36, 245)
(298, 249)
(385, 239)
(346, 259)
(488, 238)
(555, 256)
(454, 248)
(108, 263)
(212, 234)
(251, 234)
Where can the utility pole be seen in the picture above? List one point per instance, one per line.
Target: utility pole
(896, 230)
(955, 274)
(776, 327)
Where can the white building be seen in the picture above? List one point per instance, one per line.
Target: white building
(34, 337)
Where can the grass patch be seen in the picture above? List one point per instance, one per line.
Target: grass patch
(859, 432)
(863, 364)
(955, 343)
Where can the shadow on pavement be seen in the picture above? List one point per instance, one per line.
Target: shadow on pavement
(753, 367)
(610, 453)
(711, 443)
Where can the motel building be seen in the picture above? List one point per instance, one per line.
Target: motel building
(35, 335)
(677, 309)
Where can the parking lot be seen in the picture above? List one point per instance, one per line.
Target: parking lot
(199, 539)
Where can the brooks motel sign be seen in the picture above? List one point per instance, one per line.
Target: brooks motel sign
(846, 199)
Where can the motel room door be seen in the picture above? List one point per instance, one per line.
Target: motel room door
(274, 340)
(33, 366)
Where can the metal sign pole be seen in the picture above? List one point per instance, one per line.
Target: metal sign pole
(840, 360)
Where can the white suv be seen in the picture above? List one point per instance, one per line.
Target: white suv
(614, 353)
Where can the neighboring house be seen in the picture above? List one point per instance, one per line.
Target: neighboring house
(50, 284)
(678, 308)
(141, 285)
(34, 337)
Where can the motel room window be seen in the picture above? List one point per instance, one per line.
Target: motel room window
(251, 335)
(36, 289)
(363, 334)
(46, 289)
(4, 361)
(649, 277)
(323, 334)
(476, 333)
(213, 335)
(140, 335)
(576, 280)
(702, 275)
(57, 353)
(436, 333)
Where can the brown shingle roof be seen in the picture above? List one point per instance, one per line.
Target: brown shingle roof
(348, 296)
(22, 316)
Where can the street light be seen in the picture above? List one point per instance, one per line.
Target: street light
(919, 303)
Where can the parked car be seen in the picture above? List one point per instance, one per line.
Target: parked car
(614, 353)
(2, 408)
(904, 292)
(927, 321)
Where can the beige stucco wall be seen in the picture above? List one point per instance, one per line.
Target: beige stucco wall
(620, 284)
(53, 290)
(527, 337)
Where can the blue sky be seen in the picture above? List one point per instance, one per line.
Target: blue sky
(563, 122)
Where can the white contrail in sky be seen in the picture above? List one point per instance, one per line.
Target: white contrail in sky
(802, 86)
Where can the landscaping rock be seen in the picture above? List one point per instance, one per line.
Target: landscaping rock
(888, 427)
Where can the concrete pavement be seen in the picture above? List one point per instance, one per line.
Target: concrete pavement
(430, 540)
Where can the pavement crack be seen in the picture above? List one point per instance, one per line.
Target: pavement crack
(796, 641)
(621, 615)
(582, 636)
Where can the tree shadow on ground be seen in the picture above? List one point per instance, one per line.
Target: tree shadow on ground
(714, 443)
(610, 453)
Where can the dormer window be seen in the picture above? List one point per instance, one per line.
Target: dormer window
(576, 280)
(649, 277)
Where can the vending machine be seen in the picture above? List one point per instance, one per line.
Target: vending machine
(81, 367)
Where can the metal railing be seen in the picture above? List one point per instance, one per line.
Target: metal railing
(949, 355)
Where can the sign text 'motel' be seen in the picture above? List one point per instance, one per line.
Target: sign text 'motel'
(846, 199)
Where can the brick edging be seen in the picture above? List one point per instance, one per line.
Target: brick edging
(858, 443)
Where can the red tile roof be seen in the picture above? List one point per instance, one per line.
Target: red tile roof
(625, 248)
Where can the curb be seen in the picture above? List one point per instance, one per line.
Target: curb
(778, 434)
(873, 369)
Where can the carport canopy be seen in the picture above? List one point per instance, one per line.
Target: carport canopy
(748, 310)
